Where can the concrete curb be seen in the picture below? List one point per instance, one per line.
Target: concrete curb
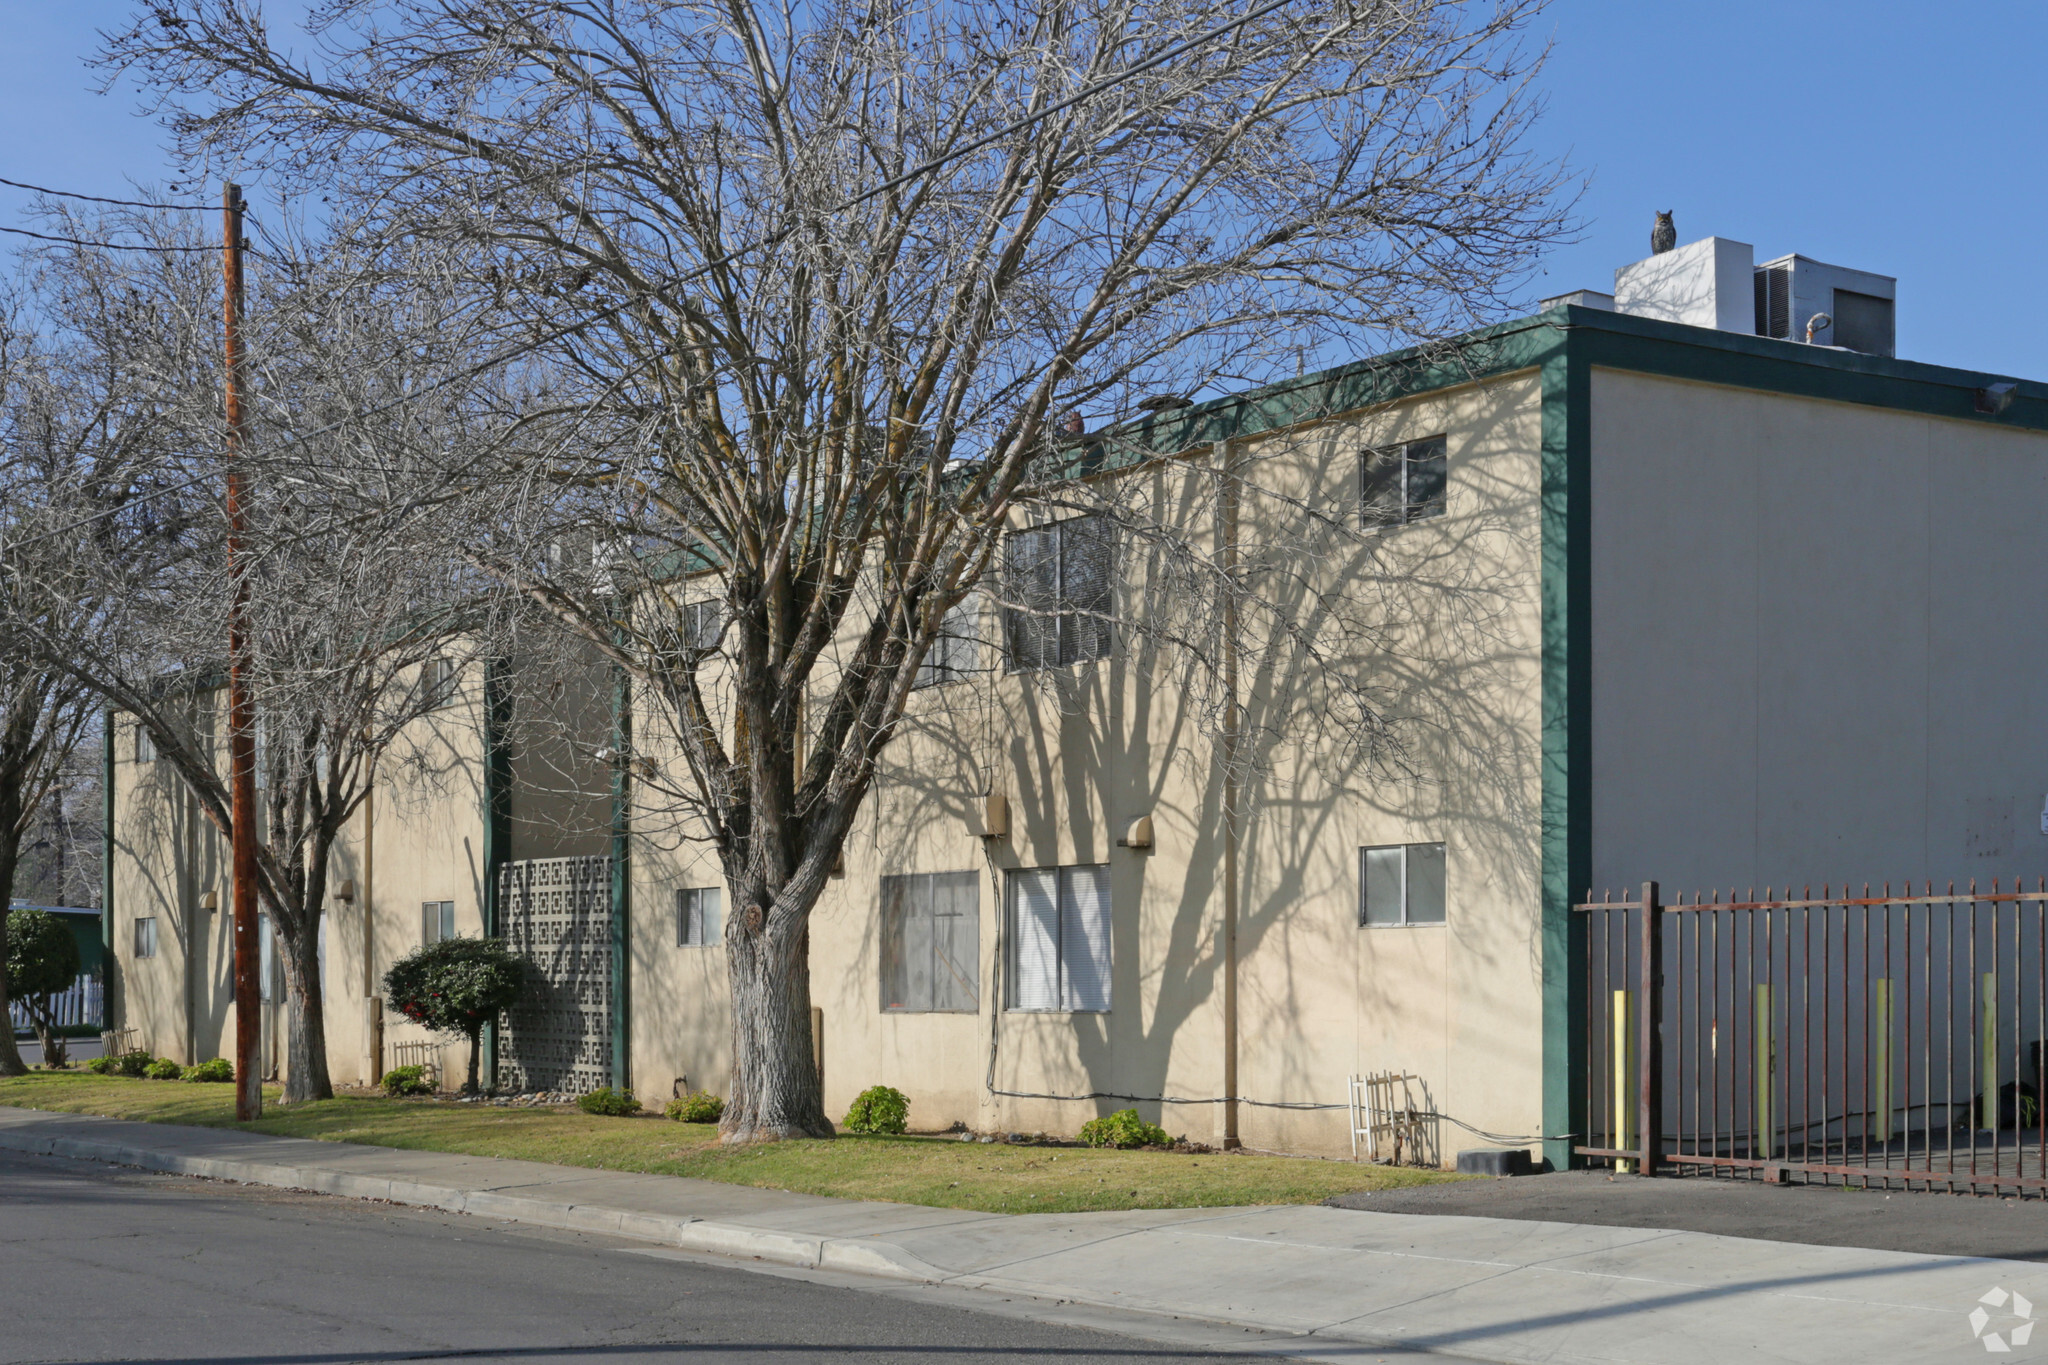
(862, 1255)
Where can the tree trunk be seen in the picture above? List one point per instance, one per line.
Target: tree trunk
(11, 1063)
(775, 1091)
(42, 1019)
(305, 1021)
(469, 1086)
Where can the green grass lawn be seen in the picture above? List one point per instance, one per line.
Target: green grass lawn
(938, 1171)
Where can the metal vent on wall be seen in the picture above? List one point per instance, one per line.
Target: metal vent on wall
(556, 913)
(1774, 302)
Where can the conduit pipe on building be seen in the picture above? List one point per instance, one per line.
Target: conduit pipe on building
(1228, 514)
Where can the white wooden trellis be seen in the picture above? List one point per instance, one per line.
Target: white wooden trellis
(1385, 1116)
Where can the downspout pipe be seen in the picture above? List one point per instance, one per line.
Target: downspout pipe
(108, 963)
(1228, 510)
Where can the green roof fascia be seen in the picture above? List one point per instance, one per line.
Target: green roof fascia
(1351, 387)
(1738, 360)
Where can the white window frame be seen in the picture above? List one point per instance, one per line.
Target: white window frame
(1065, 614)
(437, 922)
(145, 744)
(1435, 849)
(698, 905)
(1081, 980)
(439, 681)
(703, 625)
(963, 968)
(1410, 454)
(145, 936)
(955, 654)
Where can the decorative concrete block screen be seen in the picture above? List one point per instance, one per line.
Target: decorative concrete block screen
(556, 913)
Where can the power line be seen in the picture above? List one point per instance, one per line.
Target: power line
(105, 246)
(924, 168)
(100, 199)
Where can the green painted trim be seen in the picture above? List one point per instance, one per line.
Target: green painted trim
(622, 889)
(1609, 339)
(1351, 387)
(497, 820)
(1566, 705)
(1617, 341)
(107, 770)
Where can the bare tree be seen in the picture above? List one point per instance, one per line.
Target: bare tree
(360, 628)
(77, 468)
(827, 292)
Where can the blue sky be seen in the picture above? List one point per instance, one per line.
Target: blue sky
(1880, 135)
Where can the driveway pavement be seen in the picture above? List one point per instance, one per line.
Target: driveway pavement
(1339, 1281)
(1939, 1224)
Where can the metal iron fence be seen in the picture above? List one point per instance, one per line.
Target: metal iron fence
(1881, 1039)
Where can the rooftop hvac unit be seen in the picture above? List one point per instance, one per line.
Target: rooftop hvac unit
(1774, 301)
(1857, 307)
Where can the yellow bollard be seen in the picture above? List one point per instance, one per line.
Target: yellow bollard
(1624, 1068)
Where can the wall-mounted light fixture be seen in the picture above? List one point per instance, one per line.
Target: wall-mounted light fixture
(1138, 834)
(1993, 399)
(347, 890)
(209, 900)
(995, 815)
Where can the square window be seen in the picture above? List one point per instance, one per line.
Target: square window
(145, 936)
(1058, 581)
(697, 917)
(1401, 884)
(438, 680)
(437, 921)
(1403, 483)
(703, 625)
(956, 652)
(1059, 936)
(931, 943)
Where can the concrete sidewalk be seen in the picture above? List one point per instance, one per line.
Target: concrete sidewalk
(1480, 1288)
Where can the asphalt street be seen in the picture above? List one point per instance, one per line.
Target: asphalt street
(101, 1263)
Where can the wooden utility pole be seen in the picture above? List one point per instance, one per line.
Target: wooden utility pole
(241, 713)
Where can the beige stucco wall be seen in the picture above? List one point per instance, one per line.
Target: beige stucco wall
(1082, 751)
(418, 838)
(1444, 641)
(1813, 648)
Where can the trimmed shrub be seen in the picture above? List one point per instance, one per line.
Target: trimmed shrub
(41, 962)
(1124, 1129)
(219, 1069)
(604, 1100)
(133, 1063)
(457, 986)
(879, 1109)
(163, 1069)
(407, 1080)
(102, 1066)
(698, 1106)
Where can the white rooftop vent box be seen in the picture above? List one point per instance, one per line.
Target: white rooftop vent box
(1701, 284)
(1852, 309)
(1714, 283)
(1582, 298)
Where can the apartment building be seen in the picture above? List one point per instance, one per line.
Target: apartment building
(1692, 581)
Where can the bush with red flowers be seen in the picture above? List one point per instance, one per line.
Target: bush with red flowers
(457, 986)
